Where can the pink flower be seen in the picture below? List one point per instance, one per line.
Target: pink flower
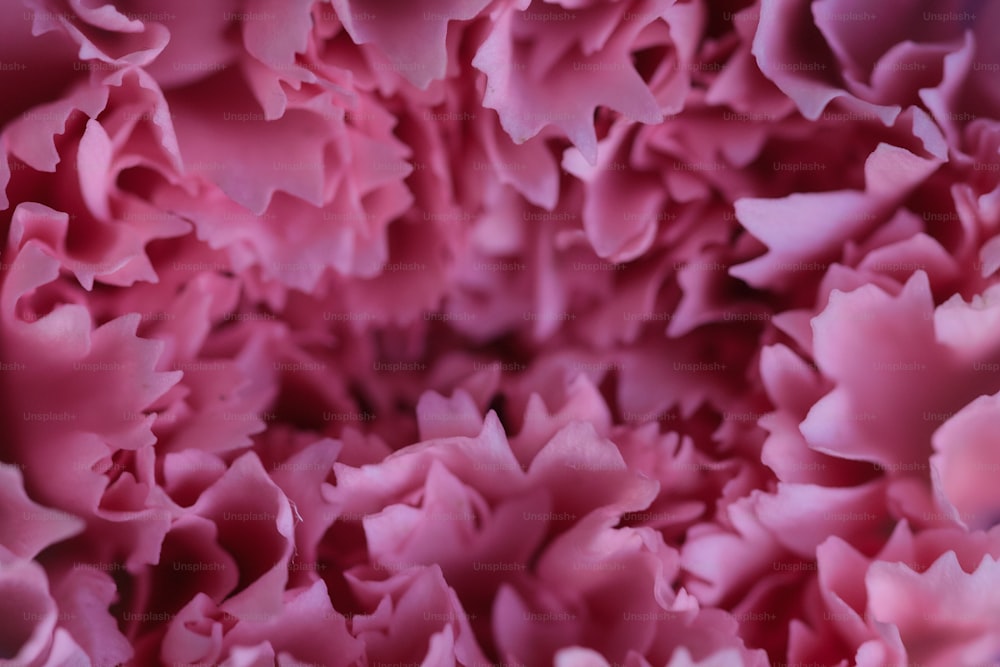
(597, 334)
(458, 502)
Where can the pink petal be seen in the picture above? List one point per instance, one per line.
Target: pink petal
(24, 534)
(413, 38)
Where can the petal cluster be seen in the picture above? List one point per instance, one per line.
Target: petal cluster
(586, 333)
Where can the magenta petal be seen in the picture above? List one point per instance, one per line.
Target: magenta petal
(255, 524)
(782, 50)
(103, 32)
(29, 613)
(966, 463)
(802, 516)
(282, 31)
(307, 630)
(84, 597)
(413, 37)
(567, 99)
(940, 614)
(23, 533)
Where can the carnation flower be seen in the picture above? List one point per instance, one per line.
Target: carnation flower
(648, 333)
